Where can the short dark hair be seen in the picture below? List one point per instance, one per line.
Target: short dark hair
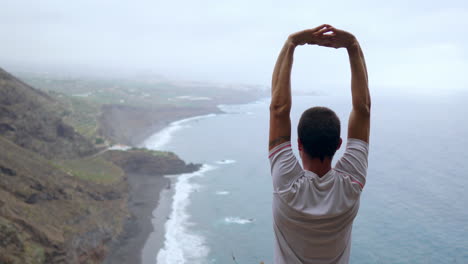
(319, 132)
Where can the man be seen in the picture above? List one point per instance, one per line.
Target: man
(314, 206)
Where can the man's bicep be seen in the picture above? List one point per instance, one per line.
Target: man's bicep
(280, 130)
(359, 125)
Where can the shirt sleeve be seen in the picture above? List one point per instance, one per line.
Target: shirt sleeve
(285, 168)
(354, 161)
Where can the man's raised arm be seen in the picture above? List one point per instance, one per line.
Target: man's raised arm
(280, 106)
(359, 119)
(281, 102)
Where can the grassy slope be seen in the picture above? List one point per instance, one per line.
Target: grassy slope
(32, 119)
(95, 169)
(82, 116)
(45, 213)
(48, 212)
(141, 93)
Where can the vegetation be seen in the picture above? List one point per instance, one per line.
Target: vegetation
(48, 216)
(154, 152)
(95, 169)
(141, 92)
(33, 253)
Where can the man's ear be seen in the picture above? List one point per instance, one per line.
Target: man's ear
(299, 144)
(339, 144)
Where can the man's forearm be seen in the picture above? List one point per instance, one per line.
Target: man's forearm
(281, 80)
(359, 79)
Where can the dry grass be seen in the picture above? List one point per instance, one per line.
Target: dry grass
(95, 169)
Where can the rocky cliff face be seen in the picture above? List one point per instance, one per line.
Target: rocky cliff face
(48, 212)
(32, 120)
(149, 162)
(48, 216)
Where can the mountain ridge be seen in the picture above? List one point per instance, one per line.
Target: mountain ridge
(28, 117)
(60, 200)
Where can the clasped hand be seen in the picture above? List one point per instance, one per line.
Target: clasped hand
(324, 35)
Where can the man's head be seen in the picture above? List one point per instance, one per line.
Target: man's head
(319, 133)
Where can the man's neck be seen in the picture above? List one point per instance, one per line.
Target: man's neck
(317, 166)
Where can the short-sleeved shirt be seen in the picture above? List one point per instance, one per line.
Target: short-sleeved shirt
(312, 215)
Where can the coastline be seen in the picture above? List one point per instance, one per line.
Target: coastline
(156, 236)
(163, 208)
(146, 185)
(145, 191)
(151, 199)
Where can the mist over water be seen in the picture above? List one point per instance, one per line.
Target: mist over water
(413, 207)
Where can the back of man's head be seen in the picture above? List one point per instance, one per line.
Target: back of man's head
(319, 132)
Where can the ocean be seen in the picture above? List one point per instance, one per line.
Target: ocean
(413, 207)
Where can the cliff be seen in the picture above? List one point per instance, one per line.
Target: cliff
(60, 202)
(49, 216)
(33, 120)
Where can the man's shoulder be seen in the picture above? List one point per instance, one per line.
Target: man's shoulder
(285, 167)
(354, 162)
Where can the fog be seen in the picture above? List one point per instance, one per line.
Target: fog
(417, 47)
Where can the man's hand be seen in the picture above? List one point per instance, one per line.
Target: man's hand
(311, 36)
(336, 38)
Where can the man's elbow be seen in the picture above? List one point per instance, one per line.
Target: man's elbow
(363, 109)
(280, 110)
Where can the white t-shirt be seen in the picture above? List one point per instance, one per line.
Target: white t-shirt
(312, 215)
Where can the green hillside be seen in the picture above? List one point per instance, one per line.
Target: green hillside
(61, 200)
(33, 120)
(48, 215)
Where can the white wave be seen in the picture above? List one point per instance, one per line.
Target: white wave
(238, 220)
(119, 147)
(160, 139)
(180, 245)
(231, 109)
(242, 108)
(226, 161)
(194, 98)
(222, 192)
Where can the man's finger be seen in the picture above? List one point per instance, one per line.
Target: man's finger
(323, 30)
(330, 36)
(320, 27)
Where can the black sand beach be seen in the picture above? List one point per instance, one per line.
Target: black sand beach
(144, 195)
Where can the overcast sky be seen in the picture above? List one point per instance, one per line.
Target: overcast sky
(411, 45)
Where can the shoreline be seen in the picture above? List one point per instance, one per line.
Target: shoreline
(143, 235)
(163, 210)
(151, 202)
(157, 236)
(145, 192)
(164, 135)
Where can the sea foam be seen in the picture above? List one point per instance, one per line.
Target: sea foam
(226, 161)
(160, 139)
(238, 220)
(180, 245)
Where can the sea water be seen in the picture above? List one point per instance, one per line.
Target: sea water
(413, 207)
